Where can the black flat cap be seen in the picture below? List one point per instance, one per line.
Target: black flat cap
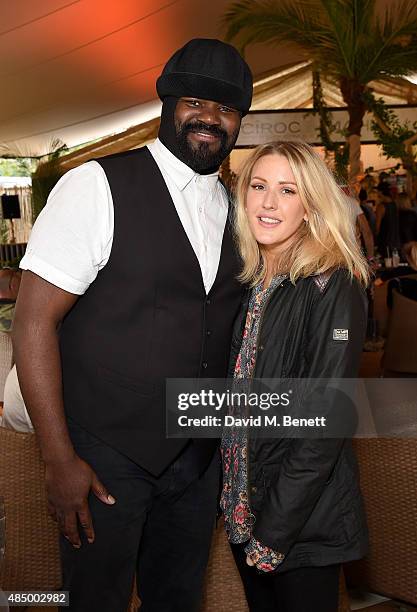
(209, 69)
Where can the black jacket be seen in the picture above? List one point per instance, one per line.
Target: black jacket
(305, 493)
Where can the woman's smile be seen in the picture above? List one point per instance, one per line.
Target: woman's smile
(269, 222)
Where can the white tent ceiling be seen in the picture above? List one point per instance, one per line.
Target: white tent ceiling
(289, 88)
(80, 69)
(77, 70)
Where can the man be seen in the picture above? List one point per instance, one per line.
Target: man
(133, 259)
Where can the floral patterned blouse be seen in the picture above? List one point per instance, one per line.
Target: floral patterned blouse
(234, 499)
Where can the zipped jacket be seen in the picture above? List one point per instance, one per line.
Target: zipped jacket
(304, 493)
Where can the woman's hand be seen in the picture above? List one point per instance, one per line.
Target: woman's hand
(262, 557)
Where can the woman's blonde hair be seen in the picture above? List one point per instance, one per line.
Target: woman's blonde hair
(326, 240)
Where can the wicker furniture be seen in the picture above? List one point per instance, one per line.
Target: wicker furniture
(400, 353)
(32, 560)
(31, 538)
(6, 359)
(388, 469)
(223, 590)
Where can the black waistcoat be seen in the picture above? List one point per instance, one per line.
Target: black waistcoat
(145, 318)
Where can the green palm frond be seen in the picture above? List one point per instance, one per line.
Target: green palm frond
(303, 23)
(348, 21)
(392, 44)
(251, 21)
(345, 38)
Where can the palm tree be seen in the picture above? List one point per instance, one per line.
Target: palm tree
(350, 42)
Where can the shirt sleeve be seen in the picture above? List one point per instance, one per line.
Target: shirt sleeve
(72, 237)
(265, 559)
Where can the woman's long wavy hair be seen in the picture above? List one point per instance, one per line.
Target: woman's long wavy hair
(326, 240)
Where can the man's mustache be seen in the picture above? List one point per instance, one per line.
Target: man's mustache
(200, 126)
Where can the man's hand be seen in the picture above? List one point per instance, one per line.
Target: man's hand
(68, 484)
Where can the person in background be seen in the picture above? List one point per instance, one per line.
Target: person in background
(410, 254)
(363, 230)
(368, 211)
(382, 180)
(373, 198)
(133, 260)
(368, 182)
(365, 233)
(407, 220)
(387, 227)
(15, 415)
(292, 506)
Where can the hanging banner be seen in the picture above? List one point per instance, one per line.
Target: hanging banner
(259, 127)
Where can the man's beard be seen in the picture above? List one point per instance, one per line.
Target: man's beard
(200, 157)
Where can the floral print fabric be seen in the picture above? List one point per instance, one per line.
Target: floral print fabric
(262, 556)
(234, 500)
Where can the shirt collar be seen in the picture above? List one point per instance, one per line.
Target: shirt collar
(179, 172)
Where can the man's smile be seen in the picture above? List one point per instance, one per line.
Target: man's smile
(202, 136)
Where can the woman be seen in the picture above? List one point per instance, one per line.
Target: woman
(292, 507)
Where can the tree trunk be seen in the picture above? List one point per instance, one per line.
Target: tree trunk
(354, 157)
(409, 166)
(352, 92)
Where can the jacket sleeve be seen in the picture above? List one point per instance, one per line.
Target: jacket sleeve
(308, 463)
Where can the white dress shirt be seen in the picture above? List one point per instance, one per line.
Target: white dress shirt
(72, 237)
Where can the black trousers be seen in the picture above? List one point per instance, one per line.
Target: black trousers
(306, 589)
(160, 528)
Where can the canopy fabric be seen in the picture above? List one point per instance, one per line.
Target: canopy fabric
(289, 88)
(80, 70)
